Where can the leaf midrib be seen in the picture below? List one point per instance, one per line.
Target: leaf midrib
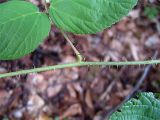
(18, 17)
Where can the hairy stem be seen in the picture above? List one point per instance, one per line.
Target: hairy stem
(79, 57)
(78, 64)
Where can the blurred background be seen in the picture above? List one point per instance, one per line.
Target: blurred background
(86, 93)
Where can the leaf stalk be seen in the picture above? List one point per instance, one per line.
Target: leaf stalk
(79, 57)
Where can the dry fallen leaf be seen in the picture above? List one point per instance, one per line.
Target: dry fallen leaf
(4, 97)
(44, 117)
(71, 111)
(53, 90)
(88, 99)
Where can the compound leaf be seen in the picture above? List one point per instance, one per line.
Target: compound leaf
(145, 107)
(88, 16)
(22, 28)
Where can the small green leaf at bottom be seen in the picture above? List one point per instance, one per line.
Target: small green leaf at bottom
(145, 107)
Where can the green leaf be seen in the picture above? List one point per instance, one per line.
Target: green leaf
(151, 12)
(145, 107)
(22, 28)
(88, 16)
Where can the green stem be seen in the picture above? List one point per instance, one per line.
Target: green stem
(78, 64)
(79, 57)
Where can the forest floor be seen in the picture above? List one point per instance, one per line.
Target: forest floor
(86, 93)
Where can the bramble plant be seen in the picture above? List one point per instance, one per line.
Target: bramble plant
(23, 27)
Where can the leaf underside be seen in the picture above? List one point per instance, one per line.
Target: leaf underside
(22, 28)
(145, 107)
(88, 16)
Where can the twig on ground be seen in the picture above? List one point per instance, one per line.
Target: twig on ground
(109, 88)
